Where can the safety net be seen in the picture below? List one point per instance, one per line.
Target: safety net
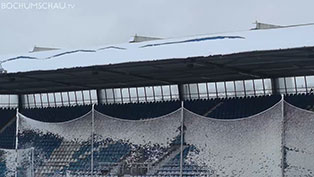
(243, 147)
(275, 142)
(16, 162)
(299, 142)
(137, 147)
(59, 148)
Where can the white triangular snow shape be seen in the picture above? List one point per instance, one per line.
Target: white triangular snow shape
(185, 47)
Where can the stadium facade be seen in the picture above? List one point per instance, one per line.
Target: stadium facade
(232, 104)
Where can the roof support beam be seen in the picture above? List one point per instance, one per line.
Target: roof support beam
(166, 82)
(8, 90)
(237, 70)
(80, 86)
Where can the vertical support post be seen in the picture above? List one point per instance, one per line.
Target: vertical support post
(182, 138)
(32, 163)
(92, 140)
(16, 140)
(275, 86)
(181, 92)
(216, 90)
(283, 156)
(21, 101)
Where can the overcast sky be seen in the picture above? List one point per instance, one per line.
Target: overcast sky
(84, 23)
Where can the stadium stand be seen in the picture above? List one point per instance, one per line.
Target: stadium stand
(7, 114)
(229, 82)
(7, 137)
(304, 101)
(231, 108)
(227, 108)
(138, 111)
(2, 166)
(172, 166)
(56, 114)
(110, 155)
(7, 128)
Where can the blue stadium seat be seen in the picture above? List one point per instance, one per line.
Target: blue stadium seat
(232, 108)
(6, 114)
(7, 136)
(136, 111)
(304, 101)
(56, 114)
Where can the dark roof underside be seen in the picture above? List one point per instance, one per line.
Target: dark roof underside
(250, 65)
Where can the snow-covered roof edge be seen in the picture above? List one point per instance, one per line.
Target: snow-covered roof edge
(197, 46)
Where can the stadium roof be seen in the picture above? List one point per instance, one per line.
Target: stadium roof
(216, 57)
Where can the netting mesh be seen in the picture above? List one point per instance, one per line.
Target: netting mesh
(299, 142)
(139, 144)
(241, 147)
(18, 163)
(260, 145)
(59, 148)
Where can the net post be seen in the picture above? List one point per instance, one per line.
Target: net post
(32, 162)
(182, 139)
(92, 140)
(16, 140)
(283, 136)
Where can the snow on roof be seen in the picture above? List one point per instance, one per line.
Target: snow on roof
(197, 46)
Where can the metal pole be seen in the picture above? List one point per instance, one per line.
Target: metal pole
(92, 145)
(283, 136)
(16, 140)
(33, 170)
(182, 139)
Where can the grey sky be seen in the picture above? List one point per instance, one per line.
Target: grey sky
(99, 22)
